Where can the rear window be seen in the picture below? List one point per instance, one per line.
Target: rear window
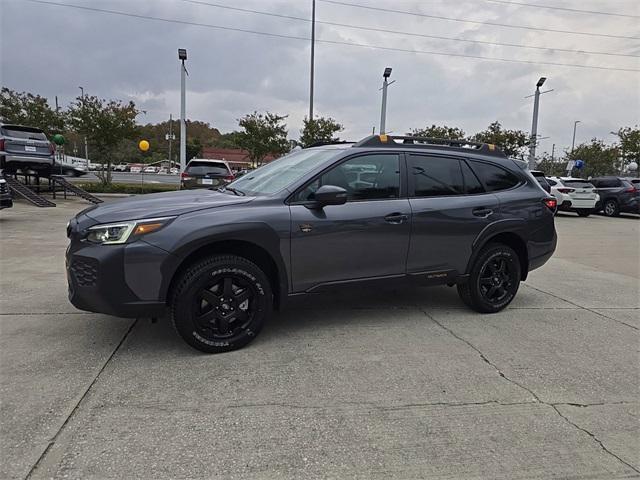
(204, 168)
(609, 182)
(494, 178)
(25, 133)
(577, 183)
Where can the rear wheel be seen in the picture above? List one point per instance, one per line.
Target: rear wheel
(583, 212)
(494, 279)
(221, 303)
(611, 208)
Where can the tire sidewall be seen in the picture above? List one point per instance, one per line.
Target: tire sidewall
(195, 278)
(614, 208)
(488, 255)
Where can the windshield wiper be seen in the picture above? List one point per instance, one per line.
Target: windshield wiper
(235, 191)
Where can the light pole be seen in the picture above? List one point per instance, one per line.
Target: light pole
(86, 148)
(383, 112)
(182, 56)
(313, 45)
(534, 123)
(573, 142)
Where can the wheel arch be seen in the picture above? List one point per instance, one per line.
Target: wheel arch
(506, 236)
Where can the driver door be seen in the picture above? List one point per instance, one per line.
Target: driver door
(365, 238)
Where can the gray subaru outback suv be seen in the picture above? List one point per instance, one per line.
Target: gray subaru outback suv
(386, 208)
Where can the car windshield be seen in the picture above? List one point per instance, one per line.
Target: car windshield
(23, 132)
(282, 172)
(577, 184)
(203, 168)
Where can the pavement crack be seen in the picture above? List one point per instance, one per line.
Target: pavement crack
(536, 397)
(53, 439)
(596, 439)
(586, 308)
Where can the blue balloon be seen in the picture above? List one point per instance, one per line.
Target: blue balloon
(579, 164)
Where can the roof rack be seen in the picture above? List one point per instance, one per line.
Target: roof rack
(395, 141)
(331, 142)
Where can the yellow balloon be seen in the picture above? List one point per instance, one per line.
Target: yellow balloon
(143, 145)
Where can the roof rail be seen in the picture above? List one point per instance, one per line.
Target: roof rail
(330, 142)
(395, 141)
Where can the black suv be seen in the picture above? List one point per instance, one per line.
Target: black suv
(617, 195)
(385, 208)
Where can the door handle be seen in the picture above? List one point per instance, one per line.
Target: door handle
(482, 212)
(395, 218)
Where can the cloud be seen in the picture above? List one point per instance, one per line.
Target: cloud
(233, 73)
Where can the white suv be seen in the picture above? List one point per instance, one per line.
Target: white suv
(574, 195)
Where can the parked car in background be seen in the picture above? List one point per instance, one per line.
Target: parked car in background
(25, 148)
(574, 195)
(219, 261)
(68, 170)
(539, 176)
(174, 171)
(162, 171)
(617, 195)
(205, 173)
(6, 200)
(150, 169)
(121, 167)
(135, 169)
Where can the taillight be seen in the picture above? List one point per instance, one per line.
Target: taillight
(631, 189)
(229, 178)
(52, 149)
(551, 203)
(566, 190)
(185, 176)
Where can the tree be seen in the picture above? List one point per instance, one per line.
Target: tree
(227, 140)
(436, 131)
(512, 142)
(599, 158)
(194, 149)
(32, 110)
(629, 145)
(552, 168)
(319, 129)
(263, 134)
(105, 124)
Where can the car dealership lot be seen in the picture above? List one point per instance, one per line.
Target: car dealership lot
(406, 384)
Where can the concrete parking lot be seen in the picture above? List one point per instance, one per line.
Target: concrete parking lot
(392, 384)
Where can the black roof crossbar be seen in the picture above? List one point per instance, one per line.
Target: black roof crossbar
(395, 141)
(330, 142)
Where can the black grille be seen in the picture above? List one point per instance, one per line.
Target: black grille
(4, 189)
(85, 271)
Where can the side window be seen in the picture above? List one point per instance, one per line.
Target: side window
(494, 177)
(366, 177)
(435, 176)
(553, 183)
(471, 183)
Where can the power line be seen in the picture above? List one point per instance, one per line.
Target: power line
(331, 42)
(477, 22)
(411, 34)
(575, 10)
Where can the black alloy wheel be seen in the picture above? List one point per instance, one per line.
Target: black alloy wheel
(493, 281)
(221, 303)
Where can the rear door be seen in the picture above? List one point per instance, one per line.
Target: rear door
(206, 173)
(450, 208)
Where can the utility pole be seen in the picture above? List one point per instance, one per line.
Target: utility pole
(553, 151)
(313, 49)
(383, 110)
(182, 55)
(86, 147)
(534, 124)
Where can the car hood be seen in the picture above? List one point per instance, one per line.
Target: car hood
(164, 204)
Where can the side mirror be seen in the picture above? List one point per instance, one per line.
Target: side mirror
(330, 195)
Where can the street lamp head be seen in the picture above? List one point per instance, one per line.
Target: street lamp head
(387, 72)
(541, 81)
(182, 54)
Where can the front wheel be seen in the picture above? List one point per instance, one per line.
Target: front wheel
(221, 303)
(583, 213)
(494, 279)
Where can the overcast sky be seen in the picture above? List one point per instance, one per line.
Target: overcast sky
(51, 50)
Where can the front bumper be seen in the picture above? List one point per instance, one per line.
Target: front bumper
(120, 280)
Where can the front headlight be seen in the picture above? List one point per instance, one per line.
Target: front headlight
(118, 233)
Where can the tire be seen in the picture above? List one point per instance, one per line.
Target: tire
(221, 303)
(482, 292)
(583, 213)
(611, 208)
